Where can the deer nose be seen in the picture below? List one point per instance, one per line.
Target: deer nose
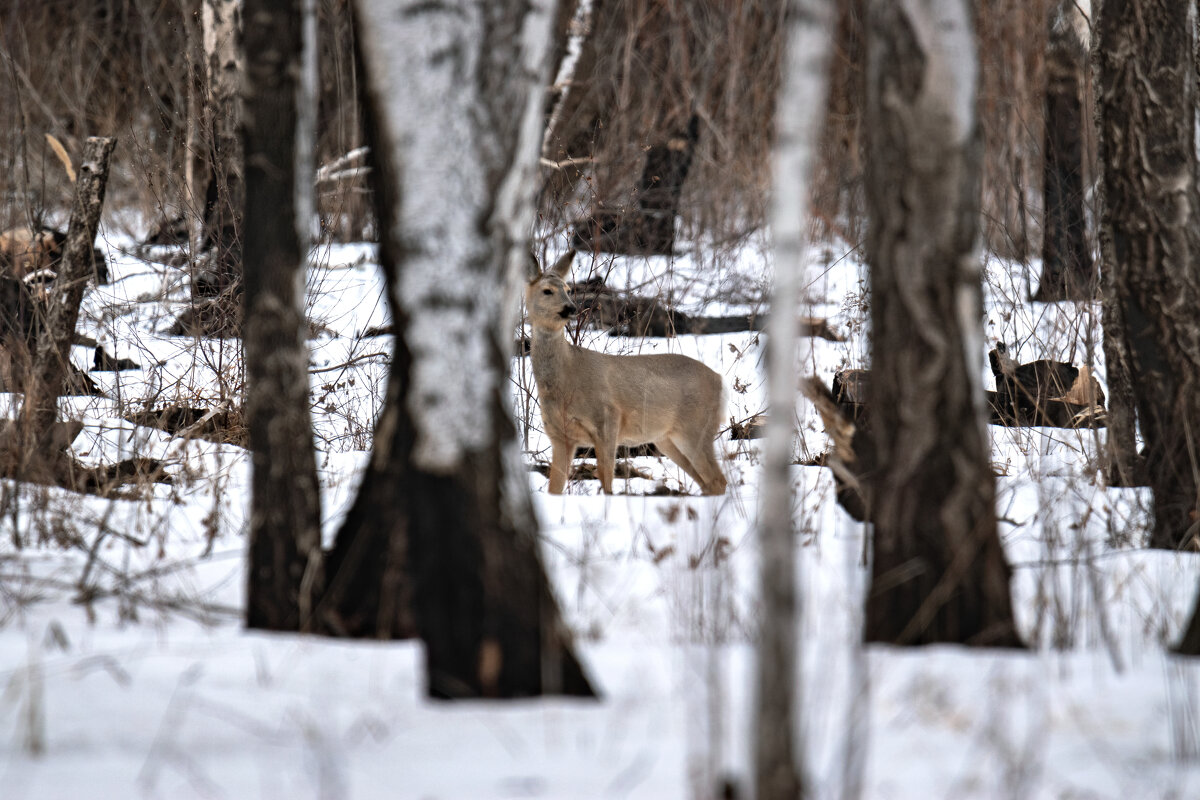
(568, 310)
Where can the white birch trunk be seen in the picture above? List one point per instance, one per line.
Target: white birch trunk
(778, 764)
(220, 22)
(464, 201)
(307, 100)
(221, 25)
(581, 28)
(193, 198)
(453, 116)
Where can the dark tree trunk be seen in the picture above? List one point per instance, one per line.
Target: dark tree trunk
(285, 571)
(939, 573)
(1123, 464)
(1068, 272)
(838, 178)
(661, 186)
(52, 347)
(441, 539)
(649, 227)
(573, 123)
(370, 591)
(1147, 97)
(1189, 644)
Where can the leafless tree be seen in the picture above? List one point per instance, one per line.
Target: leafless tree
(654, 79)
(441, 540)
(285, 561)
(938, 573)
(1068, 271)
(50, 359)
(221, 21)
(779, 770)
(1147, 100)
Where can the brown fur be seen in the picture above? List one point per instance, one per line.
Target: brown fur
(604, 400)
(25, 251)
(1085, 391)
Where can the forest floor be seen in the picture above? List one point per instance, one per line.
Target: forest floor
(125, 670)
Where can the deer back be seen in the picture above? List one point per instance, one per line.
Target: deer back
(644, 396)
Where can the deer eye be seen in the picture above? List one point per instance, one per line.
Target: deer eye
(547, 291)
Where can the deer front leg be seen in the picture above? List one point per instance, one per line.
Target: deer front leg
(606, 455)
(562, 452)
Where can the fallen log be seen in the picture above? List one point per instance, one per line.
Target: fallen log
(639, 316)
(221, 425)
(55, 466)
(852, 457)
(103, 362)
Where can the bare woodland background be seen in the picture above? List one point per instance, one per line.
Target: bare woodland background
(133, 69)
(697, 85)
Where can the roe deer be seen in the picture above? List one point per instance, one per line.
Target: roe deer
(605, 400)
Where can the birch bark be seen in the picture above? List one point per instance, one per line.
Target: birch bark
(221, 26)
(442, 538)
(778, 748)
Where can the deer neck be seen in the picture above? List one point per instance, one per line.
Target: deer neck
(551, 356)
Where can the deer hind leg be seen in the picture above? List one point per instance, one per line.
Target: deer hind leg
(700, 463)
(562, 452)
(676, 455)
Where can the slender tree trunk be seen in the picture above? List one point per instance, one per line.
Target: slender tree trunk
(1123, 464)
(1068, 272)
(778, 765)
(225, 198)
(442, 537)
(838, 177)
(648, 226)
(193, 165)
(1147, 98)
(285, 573)
(939, 573)
(51, 351)
(573, 114)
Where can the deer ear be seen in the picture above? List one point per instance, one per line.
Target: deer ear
(562, 267)
(533, 269)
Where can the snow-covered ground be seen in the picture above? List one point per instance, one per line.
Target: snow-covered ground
(125, 672)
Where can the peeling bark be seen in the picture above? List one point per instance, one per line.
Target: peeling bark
(441, 538)
(939, 573)
(1147, 98)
